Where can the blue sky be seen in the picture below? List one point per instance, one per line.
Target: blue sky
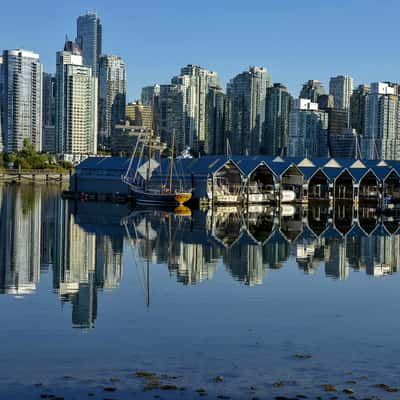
(295, 40)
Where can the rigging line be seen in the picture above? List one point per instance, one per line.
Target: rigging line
(132, 158)
(138, 255)
(130, 240)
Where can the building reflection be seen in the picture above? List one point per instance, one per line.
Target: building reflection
(20, 238)
(81, 244)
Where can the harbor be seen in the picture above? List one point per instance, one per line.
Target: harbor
(245, 180)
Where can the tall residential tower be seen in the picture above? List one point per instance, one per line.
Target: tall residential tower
(76, 104)
(89, 39)
(246, 94)
(22, 99)
(112, 96)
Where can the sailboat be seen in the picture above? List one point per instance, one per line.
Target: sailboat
(165, 194)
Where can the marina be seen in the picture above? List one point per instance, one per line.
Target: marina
(244, 180)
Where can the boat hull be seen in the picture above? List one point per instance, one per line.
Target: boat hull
(160, 199)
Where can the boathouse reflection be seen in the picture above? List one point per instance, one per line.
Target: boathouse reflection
(82, 244)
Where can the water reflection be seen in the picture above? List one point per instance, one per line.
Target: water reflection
(82, 244)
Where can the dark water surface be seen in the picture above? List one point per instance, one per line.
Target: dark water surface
(274, 303)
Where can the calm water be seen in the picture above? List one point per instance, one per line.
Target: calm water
(94, 291)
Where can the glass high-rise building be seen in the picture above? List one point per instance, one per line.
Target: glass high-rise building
(22, 99)
(246, 94)
(148, 94)
(89, 39)
(1, 104)
(276, 131)
(216, 141)
(357, 108)
(76, 104)
(49, 113)
(112, 96)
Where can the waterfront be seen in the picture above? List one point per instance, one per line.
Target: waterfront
(277, 302)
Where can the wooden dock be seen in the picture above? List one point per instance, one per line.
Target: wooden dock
(34, 175)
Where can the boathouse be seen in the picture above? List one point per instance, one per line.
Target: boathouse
(254, 180)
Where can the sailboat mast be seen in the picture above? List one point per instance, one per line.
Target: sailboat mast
(171, 164)
(148, 174)
(148, 264)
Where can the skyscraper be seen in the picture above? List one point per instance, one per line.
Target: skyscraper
(112, 96)
(276, 132)
(246, 94)
(49, 113)
(76, 104)
(1, 105)
(381, 136)
(148, 94)
(341, 88)
(89, 39)
(170, 117)
(357, 108)
(22, 99)
(195, 82)
(307, 130)
(215, 143)
(311, 90)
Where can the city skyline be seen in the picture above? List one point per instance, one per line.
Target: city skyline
(334, 51)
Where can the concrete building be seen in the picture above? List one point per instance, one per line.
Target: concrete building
(139, 115)
(307, 130)
(125, 137)
(381, 136)
(112, 96)
(49, 113)
(311, 90)
(341, 88)
(247, 93)
(76, 105)
(276, 131)
(22, 99)
(148, 94)
(89, 39)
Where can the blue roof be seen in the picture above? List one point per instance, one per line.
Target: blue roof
(356, 231)
(309, 172)
(106, 163)
(332, 233)
(278, 168)
(358, 173)
(382, 172)
(332, 173)
(277, 237)
(380, 230)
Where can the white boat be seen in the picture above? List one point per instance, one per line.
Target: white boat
(288, 196)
